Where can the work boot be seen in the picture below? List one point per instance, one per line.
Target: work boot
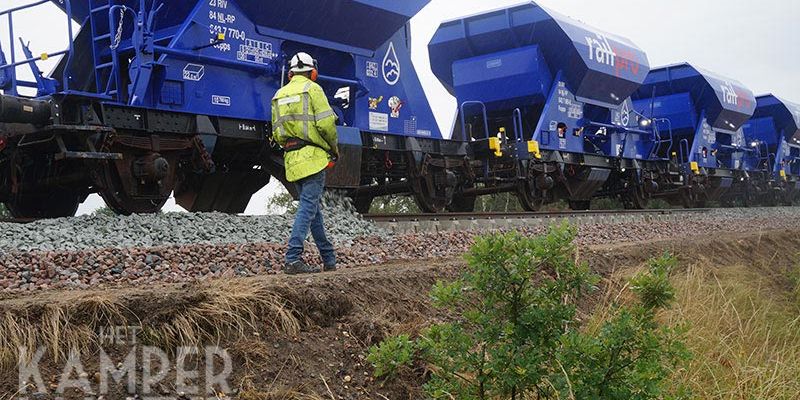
(329, 268)
(299, 267)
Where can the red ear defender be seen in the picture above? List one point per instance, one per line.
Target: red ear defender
(314, 75)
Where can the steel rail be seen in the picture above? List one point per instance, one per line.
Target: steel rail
(525, 215)
(17, 220)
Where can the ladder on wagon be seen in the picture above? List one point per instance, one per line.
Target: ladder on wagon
(107, 23)
(119, 29)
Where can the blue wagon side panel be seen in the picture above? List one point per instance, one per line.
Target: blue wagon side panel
(236, 78)
(394, 100)
(502, 80)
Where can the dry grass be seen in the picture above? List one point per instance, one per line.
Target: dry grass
(223, 310)
(744, 333)
(743, 328)
(249, 391)
(58, 327)
(279, 394)
(229, 310)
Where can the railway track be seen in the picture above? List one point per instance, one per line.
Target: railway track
(488, 216)
(17, 220)
(411, 223)
(526, 215)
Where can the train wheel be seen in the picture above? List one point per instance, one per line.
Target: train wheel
(639, 200)
(531, 199)
(363, 203)
(124, 204)
(143, 179)
(694, 196)
(55, 203)
(773, 198)
(530, 191)
(430, 204)
(140, 189)
(462, 204)
(750, 196)
(784, 199)
(640, 191)
(433, 197)
(688, 201)
(580, 205)
(792, 198)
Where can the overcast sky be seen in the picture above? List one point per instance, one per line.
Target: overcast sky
(754, 42)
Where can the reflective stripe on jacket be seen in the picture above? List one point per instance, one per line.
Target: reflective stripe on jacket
(301, 110)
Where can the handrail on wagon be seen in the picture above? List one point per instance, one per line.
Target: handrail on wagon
(12, 66)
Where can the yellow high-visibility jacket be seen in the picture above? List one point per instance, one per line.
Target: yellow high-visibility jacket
(301, 110)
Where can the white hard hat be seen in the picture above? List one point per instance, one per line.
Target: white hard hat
(302, 62)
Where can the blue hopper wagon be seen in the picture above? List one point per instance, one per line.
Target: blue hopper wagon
(775, 131)
(544, 101)
(702, 114)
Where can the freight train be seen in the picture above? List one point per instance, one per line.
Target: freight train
(160, 98)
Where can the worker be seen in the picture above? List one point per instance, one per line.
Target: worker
(304, 125)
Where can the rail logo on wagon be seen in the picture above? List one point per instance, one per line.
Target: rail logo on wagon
(391, 66)
(600, 50)
(729, 94)
(625, 114)
(621, 59)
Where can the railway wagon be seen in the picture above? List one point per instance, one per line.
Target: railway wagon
(774, 131)
(701, 115)
(544, 102)
(155, 97)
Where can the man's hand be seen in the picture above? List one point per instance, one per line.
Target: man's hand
(334, 157)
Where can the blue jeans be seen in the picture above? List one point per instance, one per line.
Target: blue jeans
(309, 217)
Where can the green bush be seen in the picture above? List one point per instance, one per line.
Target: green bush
(282, 201)
(514, 332)
(607, 204)
(499, 202)
(654, 288)
(394, 205)
(391, 354)
(104, 212)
